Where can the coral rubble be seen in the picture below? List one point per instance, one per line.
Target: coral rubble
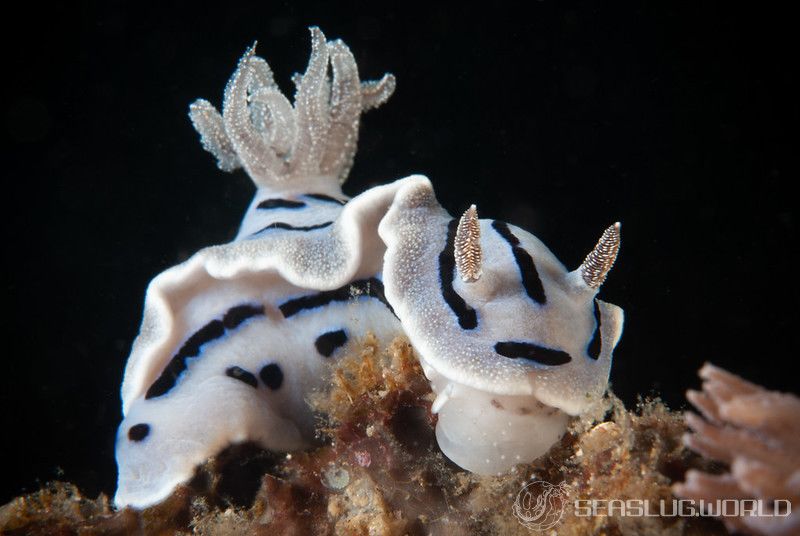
(756, 432)
(379, 471)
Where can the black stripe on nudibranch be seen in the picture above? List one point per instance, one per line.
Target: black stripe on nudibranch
(138, 432)
(166, 381)
(326, 198)
(534, 352)
(327, 343)
(467, 317)
(236, 315)
(595, 345)
(238, 373)
(213, 330)
(191, 348)
(272, 376)
(268, 204)
(289, 227)
(527, 268)
(372, 287)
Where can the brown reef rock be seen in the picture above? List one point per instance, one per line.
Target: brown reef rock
(378, 471)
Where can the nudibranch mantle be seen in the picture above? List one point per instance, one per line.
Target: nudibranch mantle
(234, 339)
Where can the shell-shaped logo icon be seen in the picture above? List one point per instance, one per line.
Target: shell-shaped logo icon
(540, 505)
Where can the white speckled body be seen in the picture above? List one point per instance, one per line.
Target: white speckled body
(234, 339)
(207, 410)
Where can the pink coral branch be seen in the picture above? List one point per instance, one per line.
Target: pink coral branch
(757, 433)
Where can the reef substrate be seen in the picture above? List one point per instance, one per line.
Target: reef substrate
(379, 471)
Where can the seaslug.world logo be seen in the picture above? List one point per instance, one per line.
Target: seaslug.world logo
(540, 505)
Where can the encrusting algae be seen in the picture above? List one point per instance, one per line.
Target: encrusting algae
(379, 472)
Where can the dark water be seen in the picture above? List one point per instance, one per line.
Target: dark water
(678, 121)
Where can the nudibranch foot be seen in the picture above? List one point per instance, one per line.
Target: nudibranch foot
(489, 434)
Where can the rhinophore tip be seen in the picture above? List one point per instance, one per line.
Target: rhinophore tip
(467, 250)
(599, 261)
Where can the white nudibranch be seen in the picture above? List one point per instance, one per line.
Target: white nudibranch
(234, 339)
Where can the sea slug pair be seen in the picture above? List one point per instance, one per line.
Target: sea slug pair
(234, 339)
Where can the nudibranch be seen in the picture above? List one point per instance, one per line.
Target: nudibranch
(233, 339)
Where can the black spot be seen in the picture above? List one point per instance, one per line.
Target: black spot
(323, 197)
(467, 317)
(238, 373)
(534, 352)
(272, 376)
(138, 432)
(191, 348)
(236, 315)
(280, 203)
(289, 227)
(327, 343)
(595, 345)
(527, 268)
(372, 287)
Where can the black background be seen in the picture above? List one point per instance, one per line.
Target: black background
(562, 119)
